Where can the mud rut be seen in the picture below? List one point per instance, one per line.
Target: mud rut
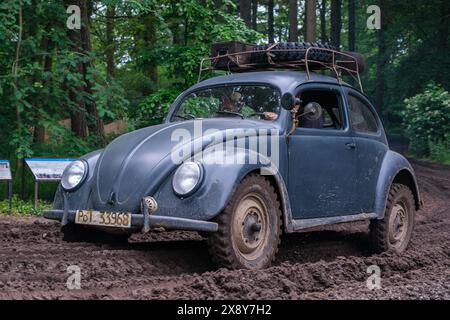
(323, 264)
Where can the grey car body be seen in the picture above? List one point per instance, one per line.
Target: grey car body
(323, 176)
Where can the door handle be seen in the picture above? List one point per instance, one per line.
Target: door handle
(350, 145)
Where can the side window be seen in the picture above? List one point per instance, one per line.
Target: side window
(330, 102)
(361, 117)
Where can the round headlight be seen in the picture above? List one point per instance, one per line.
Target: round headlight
(187, 178)
(74, 175)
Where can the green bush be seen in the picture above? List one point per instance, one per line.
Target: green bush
(440, 151)
(427, 122)
(153, 108)
(21, 207)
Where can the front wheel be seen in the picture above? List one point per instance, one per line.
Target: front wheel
(393, 232)
(249, 227)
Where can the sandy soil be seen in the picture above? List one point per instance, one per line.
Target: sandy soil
(323, 264)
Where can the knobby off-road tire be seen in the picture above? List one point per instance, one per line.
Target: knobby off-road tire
(259, 55)
(78, 233)
(249, 227)
(393, 232)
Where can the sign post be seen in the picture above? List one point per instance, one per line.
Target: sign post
(46, 170)
(5, 174)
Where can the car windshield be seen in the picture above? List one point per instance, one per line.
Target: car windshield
(241, 101)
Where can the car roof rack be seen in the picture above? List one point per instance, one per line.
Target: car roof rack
(350, 63)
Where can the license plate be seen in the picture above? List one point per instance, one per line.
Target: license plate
(103, 218)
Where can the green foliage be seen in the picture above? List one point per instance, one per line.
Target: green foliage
(209, 26)
(427, 120)
(23, 207)
(440, 151)
(154, 107)
(202, 26)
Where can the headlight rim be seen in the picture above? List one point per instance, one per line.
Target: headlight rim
(197, 185)
(85, 173)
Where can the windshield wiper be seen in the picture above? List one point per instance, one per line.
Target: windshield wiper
(232, 113)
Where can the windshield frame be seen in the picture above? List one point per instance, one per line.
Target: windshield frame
(180, 99)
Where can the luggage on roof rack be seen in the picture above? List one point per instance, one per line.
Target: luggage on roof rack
(236, 56)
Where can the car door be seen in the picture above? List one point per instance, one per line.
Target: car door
(371, 147)
(322, 166)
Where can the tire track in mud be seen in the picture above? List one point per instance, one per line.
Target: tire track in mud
(322, 264)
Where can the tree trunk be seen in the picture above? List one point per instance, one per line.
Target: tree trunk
(78, 109)
(293, 21)
(443, 42)
(323, 21)
(218, 6)
(46, 46)
(351, 25)
(149, 37)
(95, 125)
(310, 20)
(381, 61)
(270, 20)
(110, 41)
(174, 24)
(336, 23)
(351, 32)
(245, 12)
(254, 14)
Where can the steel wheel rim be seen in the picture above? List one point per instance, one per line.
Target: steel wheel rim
(398, 224)
(250, 226)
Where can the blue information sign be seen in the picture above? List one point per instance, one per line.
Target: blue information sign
(50, 169)
(5, 170)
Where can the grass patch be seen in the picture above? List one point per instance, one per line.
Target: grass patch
(23, 207)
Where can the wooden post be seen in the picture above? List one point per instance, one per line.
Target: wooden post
(36, 193)
(10, 194)
(23, 178)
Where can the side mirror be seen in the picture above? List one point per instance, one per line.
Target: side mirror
(313, 111)
(288, 101)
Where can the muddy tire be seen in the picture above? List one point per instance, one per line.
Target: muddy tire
(76, 233)
(393, 232)
(249, 227)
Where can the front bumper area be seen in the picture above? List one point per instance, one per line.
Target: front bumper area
(144, 221)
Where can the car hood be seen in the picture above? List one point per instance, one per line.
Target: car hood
(134, 164)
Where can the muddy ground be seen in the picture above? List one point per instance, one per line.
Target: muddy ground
(318, 265)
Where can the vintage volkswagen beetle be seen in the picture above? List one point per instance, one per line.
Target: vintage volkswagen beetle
(329, 162)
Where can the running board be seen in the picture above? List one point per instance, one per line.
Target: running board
(301, 224)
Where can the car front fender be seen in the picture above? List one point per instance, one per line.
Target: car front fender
(218, 186)
(80, 198)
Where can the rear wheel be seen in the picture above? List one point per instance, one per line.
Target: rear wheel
(393, 232)
(249, 227)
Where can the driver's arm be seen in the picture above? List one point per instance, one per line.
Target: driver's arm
(270, 115)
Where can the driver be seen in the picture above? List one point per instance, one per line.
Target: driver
(232, 103)
(235, 104)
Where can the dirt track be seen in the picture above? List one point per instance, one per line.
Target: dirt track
(323, 264)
